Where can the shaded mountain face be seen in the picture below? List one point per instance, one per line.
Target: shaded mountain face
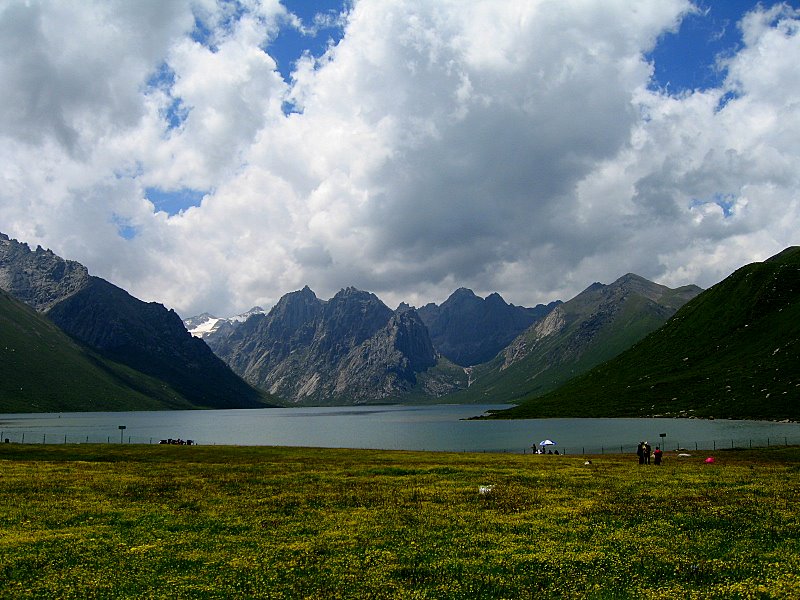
(469, 329)
(42, 369)
(596, 325)
(144, 336)
(349, 349)
(733, 351)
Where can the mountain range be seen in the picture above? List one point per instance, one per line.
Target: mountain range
(72, 341)
(469, 330)
(349, 349)
(142, 337)
(733, 351)
(575, 336)
(340, 351)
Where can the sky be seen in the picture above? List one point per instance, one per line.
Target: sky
(213, 155)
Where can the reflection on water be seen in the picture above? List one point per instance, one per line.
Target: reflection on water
(440, 427)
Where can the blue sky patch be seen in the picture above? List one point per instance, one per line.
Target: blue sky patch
(174, 201)
(176, 114)
(688, 59)
(124, 228)
(290, 43)
(726, 202)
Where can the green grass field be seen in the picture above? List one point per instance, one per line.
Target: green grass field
(108, 521)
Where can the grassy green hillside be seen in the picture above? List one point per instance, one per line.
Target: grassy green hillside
(733, 351)
(43, 370)
(593, 327)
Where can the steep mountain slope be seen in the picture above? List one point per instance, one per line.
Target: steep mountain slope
(733, 351)
(575, 336)
(44, 370)
(349, 349)
(143, 336)
(469, 329)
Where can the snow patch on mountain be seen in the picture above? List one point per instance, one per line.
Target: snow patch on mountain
(204, 325)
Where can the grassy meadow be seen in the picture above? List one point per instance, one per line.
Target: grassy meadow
(117, 521)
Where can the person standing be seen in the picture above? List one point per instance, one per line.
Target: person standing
(646, 453)
(657, 456)
(640, 452)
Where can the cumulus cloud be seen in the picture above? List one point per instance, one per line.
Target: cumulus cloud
(516, 147)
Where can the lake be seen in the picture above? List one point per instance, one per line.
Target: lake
(396, 427)
(439, 428)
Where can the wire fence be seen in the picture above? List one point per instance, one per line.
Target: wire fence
(18, 436)
(669, 446)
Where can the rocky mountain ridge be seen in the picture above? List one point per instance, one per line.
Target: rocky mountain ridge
(144, 336)
(592, 327)
(349, 349)
(731, 351)
(470, 330)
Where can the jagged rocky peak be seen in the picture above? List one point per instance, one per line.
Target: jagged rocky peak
(300, 297)
(296, 308)
(495, 298)
(352, 316)
(349, 349)
(469, 330)
(39, 278)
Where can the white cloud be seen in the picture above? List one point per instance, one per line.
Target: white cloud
(509, 146)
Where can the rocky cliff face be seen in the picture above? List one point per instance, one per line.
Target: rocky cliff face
(469, 329)
(38, 278)
(349, 349)
(145, 336)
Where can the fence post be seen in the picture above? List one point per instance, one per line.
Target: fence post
(44, 438)
(23, 437)
(65, 438)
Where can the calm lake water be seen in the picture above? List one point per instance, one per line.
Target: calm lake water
(440, 427)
